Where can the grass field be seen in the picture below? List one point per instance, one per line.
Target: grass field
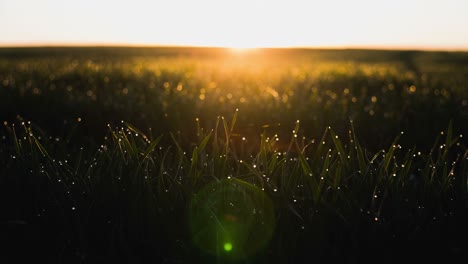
(204, 155)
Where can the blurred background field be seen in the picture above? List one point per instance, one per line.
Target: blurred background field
(383, 92)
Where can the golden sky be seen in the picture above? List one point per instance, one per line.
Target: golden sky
(428, 24)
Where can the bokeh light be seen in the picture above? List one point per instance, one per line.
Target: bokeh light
(227, 246)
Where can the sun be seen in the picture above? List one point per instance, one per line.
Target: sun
(240, 46)
(241, 50)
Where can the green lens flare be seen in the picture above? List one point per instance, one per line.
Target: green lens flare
(231, 212)
(227, 247)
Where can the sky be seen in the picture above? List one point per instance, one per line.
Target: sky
(424, 24)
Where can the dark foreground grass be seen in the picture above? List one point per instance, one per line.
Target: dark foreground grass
(191, 180)
(131, 200)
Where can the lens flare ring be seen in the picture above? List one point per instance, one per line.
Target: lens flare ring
(231, 219)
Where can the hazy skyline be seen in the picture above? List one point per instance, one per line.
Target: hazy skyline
(419, 24)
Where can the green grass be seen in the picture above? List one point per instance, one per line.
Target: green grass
(357, 155)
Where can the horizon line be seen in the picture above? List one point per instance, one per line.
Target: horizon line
(455, 48)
